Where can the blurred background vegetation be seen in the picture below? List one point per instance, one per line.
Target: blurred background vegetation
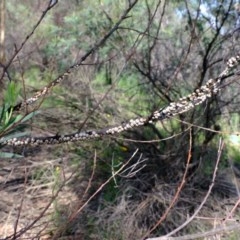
(162, 51)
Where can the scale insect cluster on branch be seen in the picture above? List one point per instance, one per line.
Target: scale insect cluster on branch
(183, 105)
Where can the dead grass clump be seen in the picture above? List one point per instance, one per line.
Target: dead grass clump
(135, 212)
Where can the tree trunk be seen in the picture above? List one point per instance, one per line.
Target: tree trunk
(2, 32)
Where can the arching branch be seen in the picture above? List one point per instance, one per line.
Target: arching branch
(184, 104)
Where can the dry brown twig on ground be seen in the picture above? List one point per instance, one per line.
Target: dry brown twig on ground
(218, 230)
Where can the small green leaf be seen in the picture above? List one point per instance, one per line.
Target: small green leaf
(11, 94)
(10, 122)
(29, 116)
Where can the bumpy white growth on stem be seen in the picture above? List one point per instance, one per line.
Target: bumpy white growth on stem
(184, 104)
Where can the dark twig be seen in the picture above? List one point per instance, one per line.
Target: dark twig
(44, 91)
(51, 4)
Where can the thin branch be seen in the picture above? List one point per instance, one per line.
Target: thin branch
(180, 187)
(44, 91)
(219, 230)
(220, 148)
(75, 214)
(51, 4)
